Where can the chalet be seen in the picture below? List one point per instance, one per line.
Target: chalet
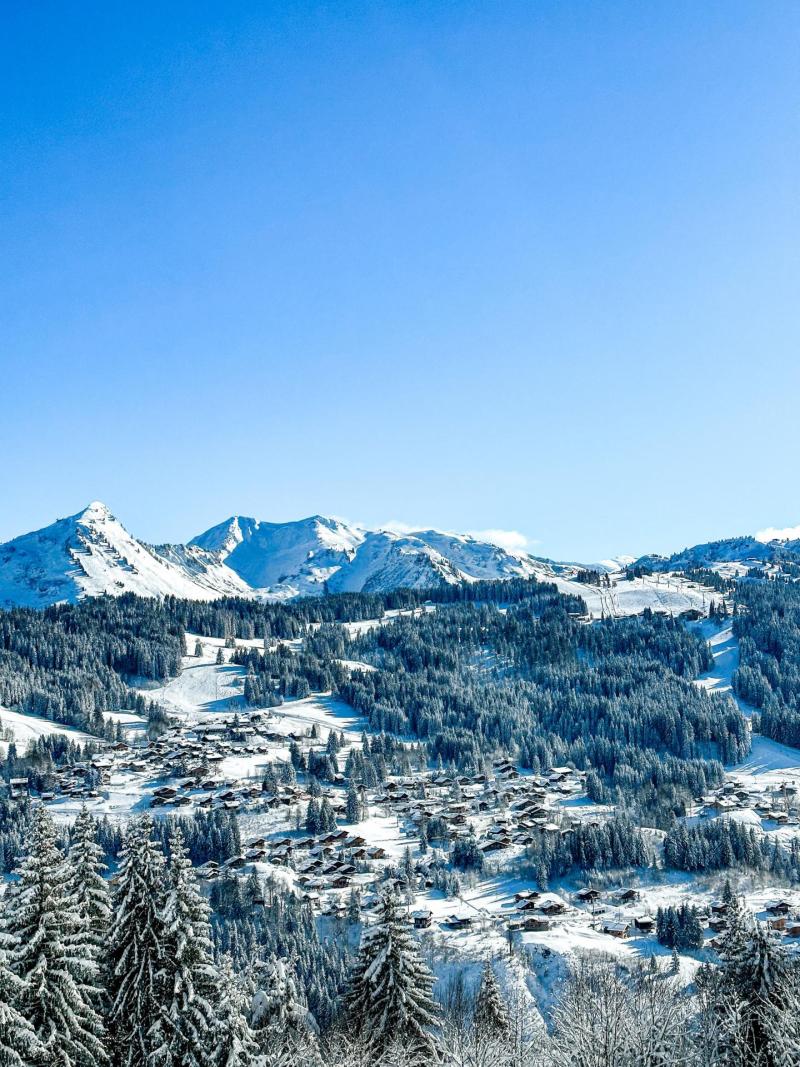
(422, 919)
(496, 845)
(627, 896)
(458, 922)
(616, 929)
(18, 788)
(528, 904)
(717, 924)
(644, 923)
(792, 928)
(778, 907)
(588, 896)
(552, 907)
(526, 894)
(536, 923)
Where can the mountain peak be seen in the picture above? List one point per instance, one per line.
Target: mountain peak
(96, 511)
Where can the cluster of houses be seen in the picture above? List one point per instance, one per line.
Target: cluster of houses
(510, 809)
(778, 804)
(780, 915)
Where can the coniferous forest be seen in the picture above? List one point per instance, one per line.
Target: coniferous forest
(112, 951)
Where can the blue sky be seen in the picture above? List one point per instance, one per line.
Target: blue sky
(528, 266)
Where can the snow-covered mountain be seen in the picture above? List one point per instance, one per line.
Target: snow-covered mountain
(92, 553)
(301, 558)
(739, 551)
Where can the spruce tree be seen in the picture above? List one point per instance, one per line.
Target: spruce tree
(138, 941)
(759, 997)
(491, 1014)
(42, 932)
(389, 998)
(183, 1032)
(353, 811)
(88, 891)
(282, 1024)
(233, 1042)
(19, 1045)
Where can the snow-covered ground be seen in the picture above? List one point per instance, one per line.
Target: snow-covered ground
(669, 593)
(20, 728)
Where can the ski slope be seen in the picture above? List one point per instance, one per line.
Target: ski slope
(23, 728)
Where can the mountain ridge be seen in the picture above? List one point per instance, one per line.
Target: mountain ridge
(91, 553)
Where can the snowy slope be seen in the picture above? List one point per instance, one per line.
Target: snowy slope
(301, 558)
(713, 554)
(92, 553)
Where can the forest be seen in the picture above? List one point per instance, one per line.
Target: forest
(139, 972)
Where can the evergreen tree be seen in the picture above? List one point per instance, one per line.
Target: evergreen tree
(353, 812)
(19, 1045)
(491, 1014)
(88, 889)
(327, 817)
(138, 940)
(233, 1042)
(759, 1000)
(282, 1024)
(43, 934)
(186, 1021)
(312, 818)
(389, 997)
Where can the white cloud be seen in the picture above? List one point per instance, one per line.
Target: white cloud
(788, 533)
(510, 540)
(400, 527)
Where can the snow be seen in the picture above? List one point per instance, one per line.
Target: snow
(725, 650)
(668, 593)
(92, 553)
(25, 728)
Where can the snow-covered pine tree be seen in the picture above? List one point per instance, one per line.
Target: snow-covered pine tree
(41, 931)
(234, 1044)
(89, 894)
(759, 997)
(19, 1045)
(182, 1034)
(137, 946)
(389, 998)
(491, 1013)
(282, 1024)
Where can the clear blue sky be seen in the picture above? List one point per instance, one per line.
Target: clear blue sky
(531, 266)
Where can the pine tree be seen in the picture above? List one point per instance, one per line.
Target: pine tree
(19, 1045)
(88, 890)
(353, 811)
(282, 1025)
(312, 818)
(42, 932)
(138, 941)
(759, 996)
(327, 817)
(234, 1044)
(491, 1014)
(389, 997)
(181, 1035)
